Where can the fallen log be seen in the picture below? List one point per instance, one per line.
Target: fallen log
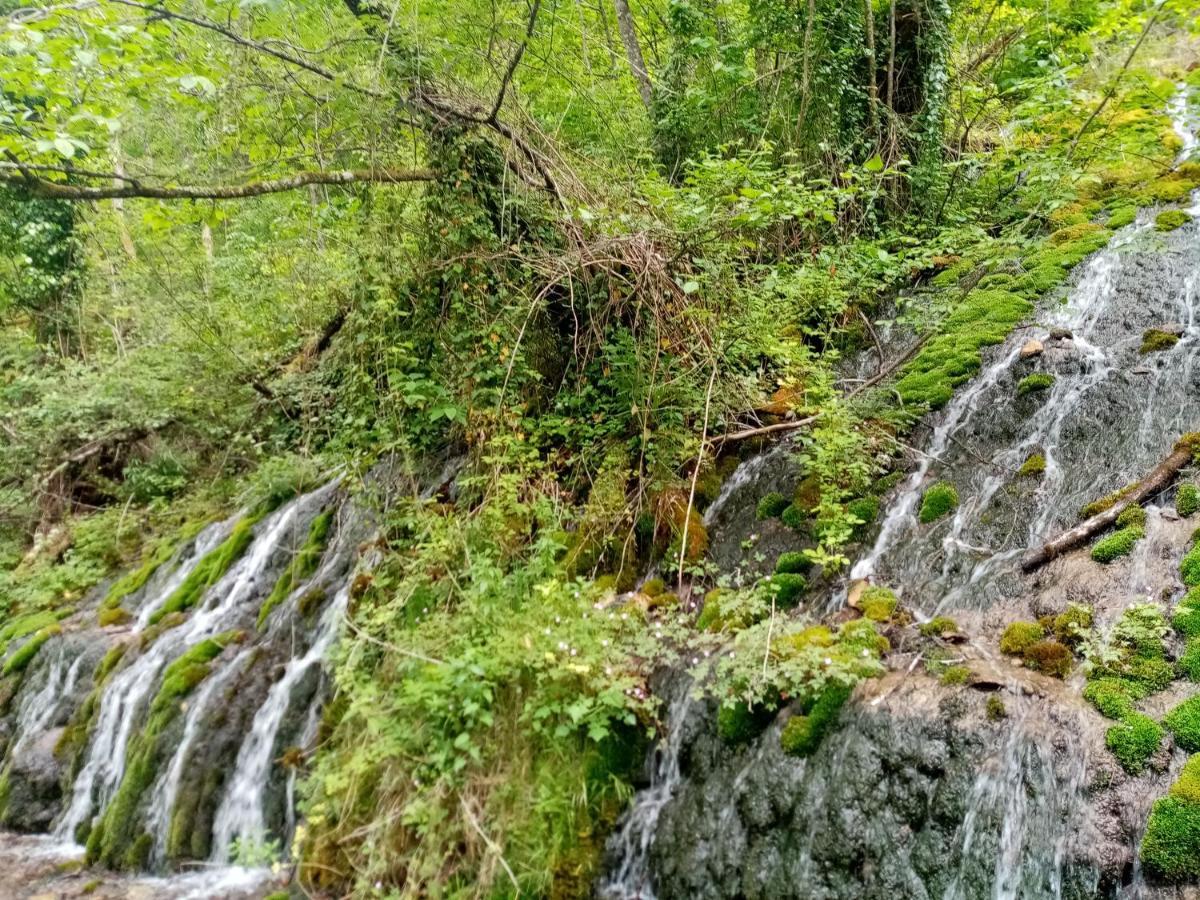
(1164, 473)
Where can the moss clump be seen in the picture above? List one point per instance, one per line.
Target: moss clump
(794, 517)
(1132, 515)
(1189, 567)
(1104, 503)
(1073, 233)
(1133, 741)
(995, 708)
(1119, 543)
(938, 500)
(1034, 466)
(1171, 845)
(885, 483)
(653, 587)
(1072, 623)
(1122, 216)
(865, 509)
(1170, 219)
(984, 318)
(954, 676)
(1032, 384)
(1153, 674)
(771, 506)
(302, 566)
(878, 603)
(1050, 658)
(23, 656)
(1187, 500)
(803, 733)
(24, 625)
(1019, 637)
(151, 563)
(1155, 340)
(937, 626)
(787, 588)
(792, 562)
(208, 571)
(737, 723)
(1187, 616)
(1184, 722)
(1039, 280)
(114, 615)
(1109, 696)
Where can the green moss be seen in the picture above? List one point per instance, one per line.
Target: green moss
(153, 560)
(1119, 543)
(803, 734)
(1153, 674)
(1189, 660)
(878, 603)
(710, 613)
(302, 566)
(1020, 636)
(112, 615)
(865, 509)
(1122, 216)
(791, 563)
(954, 676)
(1072, 623)
(1039, 280)
(23, 655)
(24, 625)
(984, 318)
(1170, 219)
(1034, 465)
(1187, 786)
(1155, 340)
(737, 723)
(1109, 696)
(653, 587)
(1189, 567)
(885, 483)
(995, 708)
(1073, 233)
(1038, 381)
(1187, 621)
(1106, 502)
(1050, 658)
(1132, 515)
(794, 517)
(937, 626)
(771, 506)
(1187, 500)
(788, 587)
(1171, 845)
(1133, 741)
(1184, 722)
(209, 570)
(938, 500)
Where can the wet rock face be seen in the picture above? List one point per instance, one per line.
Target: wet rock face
(931, 802)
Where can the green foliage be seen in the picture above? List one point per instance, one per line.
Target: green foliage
(937, 500)
(301, 567)
(1034, 383)
(938, 626)
(772, 505)
(1133, 740)
(1184, 722)
(1034, 466)
(1019, 637)
(1187, 500)
(803, 733)
(878, 603)
(1109, 696)
(1119, 543)
(1155, 340)
(208, 571)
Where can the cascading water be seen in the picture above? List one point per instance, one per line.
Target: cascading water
(38, 710)
(905, 800)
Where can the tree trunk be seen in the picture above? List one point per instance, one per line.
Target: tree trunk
(633, 51)
(1164, 473)
(872, 65)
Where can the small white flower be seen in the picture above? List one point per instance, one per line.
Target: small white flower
(604, 643)
(828, 661)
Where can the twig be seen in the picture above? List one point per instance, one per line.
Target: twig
(683, 541)
(491, 845)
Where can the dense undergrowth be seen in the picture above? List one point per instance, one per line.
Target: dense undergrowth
(577, 313)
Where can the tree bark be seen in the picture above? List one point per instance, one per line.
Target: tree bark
(1162, 475)
(872, 64)
(633, 51)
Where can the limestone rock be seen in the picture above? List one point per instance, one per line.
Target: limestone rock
(1031, 349)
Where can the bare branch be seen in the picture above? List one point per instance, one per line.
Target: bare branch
(53, 190)
(515, 61)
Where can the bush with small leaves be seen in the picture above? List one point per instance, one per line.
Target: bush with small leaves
(938, 500)
(1133, 741)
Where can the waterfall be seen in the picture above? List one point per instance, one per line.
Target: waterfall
(38, 709)
(224, 606)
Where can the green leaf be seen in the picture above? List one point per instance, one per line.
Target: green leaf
(874, 164)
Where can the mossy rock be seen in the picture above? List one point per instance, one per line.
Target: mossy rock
(938, 500)
(1133, 741)
(1187, 500)
(1184, 722)
(802, 734)
(738, 724)
(1119, 543)
(878, 603)
(1155, 340)
(771, 506)
(1020, 636)
(1034, 383)
(1033, 467)
(1170, 219)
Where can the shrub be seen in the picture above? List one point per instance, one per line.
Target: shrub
(771, 506)
(1035, 464)
(1119, 543)
(803, 734)
(939, 499)
(878, 603)
(1184, 723)
(1109, 696)
(1050, 658)
(1187, 500)
(937, 626)
(792, 562)
(1170, 219)
(1019, 637)
(1031, 384)
(1133, 741)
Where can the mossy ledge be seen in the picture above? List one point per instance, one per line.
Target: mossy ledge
(1171, 846)
(209, 570)
(302, 566)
